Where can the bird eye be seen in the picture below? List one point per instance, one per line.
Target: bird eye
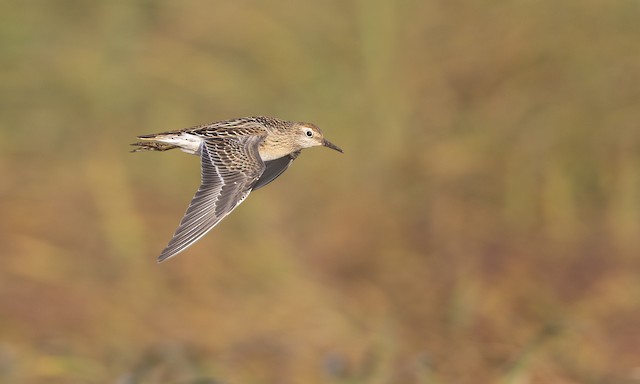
(309, 133)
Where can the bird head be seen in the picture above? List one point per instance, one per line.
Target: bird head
(309, 135)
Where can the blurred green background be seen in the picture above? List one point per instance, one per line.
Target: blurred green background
(483, 225)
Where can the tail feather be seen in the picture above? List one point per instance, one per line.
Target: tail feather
(165, 141)
(151, 146)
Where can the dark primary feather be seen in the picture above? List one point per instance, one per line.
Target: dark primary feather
(230, 167)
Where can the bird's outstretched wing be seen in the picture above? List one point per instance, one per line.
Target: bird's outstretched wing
(273, 169)
(230, 168)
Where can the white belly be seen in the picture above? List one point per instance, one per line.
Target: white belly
(272, 152)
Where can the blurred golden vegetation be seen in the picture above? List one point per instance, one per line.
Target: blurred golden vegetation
(483, 225)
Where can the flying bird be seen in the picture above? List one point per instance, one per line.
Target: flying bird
(237, 156)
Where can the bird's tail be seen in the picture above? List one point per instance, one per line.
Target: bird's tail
(188, 143)
(151, 145)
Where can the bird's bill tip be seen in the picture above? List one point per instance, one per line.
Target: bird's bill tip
(329, 144)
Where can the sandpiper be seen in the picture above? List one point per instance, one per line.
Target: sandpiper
(237, 156)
